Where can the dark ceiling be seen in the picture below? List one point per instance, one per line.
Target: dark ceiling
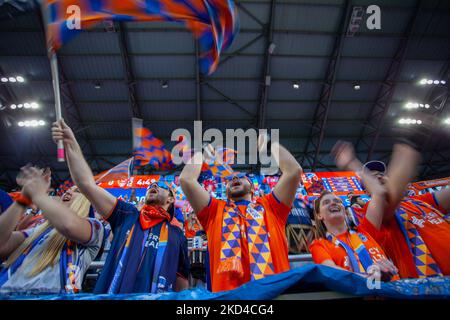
(114, 72)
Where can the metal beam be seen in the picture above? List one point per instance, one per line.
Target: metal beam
(128, 70)
(372, 126)
(265, 81)
(312, 147)
(228, 99)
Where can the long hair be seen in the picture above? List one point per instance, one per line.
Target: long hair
(50, 252)
(321, 229)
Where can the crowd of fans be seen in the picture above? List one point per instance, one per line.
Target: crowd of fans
(47, 243)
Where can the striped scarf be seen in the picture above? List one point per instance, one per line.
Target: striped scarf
(235, 229)
(360, 259)
(425, 264)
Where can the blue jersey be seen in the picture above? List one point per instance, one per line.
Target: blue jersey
(131, 268)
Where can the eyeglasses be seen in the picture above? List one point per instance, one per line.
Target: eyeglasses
(234, 175)
(161, 185)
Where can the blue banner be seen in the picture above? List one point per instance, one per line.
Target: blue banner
(297, 280)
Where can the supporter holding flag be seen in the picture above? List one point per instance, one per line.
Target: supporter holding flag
(239, 245)
(413, 232)
(147, 254)
(54, 256)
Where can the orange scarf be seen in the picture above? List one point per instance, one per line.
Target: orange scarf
(152, 215)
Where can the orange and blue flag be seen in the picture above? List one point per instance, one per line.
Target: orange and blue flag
(123, 170)
(150, 151)
(63, 187)
(213, 22)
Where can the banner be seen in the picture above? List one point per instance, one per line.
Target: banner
(296, 280)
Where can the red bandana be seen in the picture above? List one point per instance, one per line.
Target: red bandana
(152, 215)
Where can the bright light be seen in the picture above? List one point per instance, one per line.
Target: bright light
(447, 121)
(429, 81)
(31, 123)
(356, 87)
(13, 106)
(436, 81)
(27, 105)
(12, 79)
(443, 82)
(423, 81)
(427, 106)
(34, 105)
(409, 121)
(295, 85)
(20, 79)
(4, 79)
(20, 106)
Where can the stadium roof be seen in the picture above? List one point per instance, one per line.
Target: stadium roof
(116, 70)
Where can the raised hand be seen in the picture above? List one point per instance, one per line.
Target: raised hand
(61, 131)
(36, 182)
(344, 155)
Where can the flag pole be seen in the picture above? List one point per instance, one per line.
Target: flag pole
(55, 80)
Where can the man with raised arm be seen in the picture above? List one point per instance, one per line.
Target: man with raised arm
(413, 231)
(147, 254)
(246, 236)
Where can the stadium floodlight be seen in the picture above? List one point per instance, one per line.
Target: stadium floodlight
(423, 81)
(443, 82)
(447, 121)
(357, 87)
(21, 124)
(409, 121)
(20, 106)
(296, 85)
(20, 79)
(4, 79)
(13, 106)
(12, 79)
(41, 122)
(26, 105)
(34, 105)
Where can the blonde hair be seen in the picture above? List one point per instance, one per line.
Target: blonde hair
(49, 253)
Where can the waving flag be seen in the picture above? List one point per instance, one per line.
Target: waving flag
(213, 22)
(150, 151)
(123, 170)
(63, 187)
(219, 165)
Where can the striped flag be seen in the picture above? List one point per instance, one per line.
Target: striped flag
(123, 170)
(213, 22)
